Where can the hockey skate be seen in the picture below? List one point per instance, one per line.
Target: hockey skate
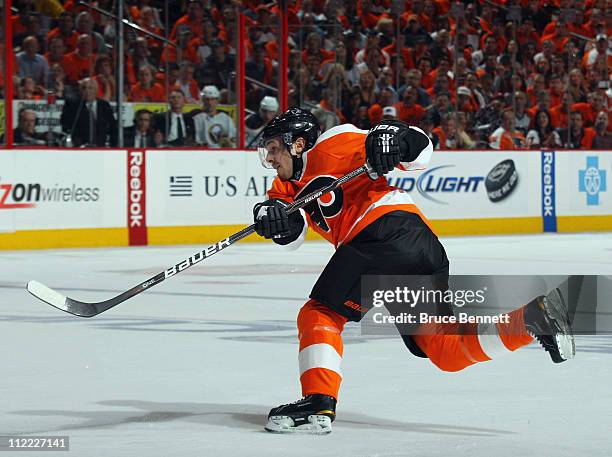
(547, 319)
(312, 414)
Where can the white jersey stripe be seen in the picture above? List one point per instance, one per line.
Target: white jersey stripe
(344, 128)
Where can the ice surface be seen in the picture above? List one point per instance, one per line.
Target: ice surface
(191, 367)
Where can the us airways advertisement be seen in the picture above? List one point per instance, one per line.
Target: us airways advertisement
(204, 187)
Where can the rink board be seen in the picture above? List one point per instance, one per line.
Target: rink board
(73, 198)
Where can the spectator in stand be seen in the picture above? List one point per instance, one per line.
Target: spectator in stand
(25, 133)
(376, 111)
(56, 52)
(140, 135)
(465, 102)
(329, 102)
(464, 137)
(367, 87)
(598, 75)
(522, 118)
(506, 136)
(490, 48)
(389, 113)
(439, 49)
(427, 127)
(557, 67)
(408, 110)
(32, 28)
(28, 90)
(478, 99)
(362, 120)
(602, 48)
(405, 52)
(175, 127)
(148, 20)
(89, 121)
(425, 64)
(84, 25)
(485, 83)
(556, 89)
(538, 85)
(543, 135)
(559, 114)
(207, 35)
(313, 47)
(213, 128)
(325, 119)
(186, 83)
(56, 85)
(32, 64)
(146, 89)
(449, 134)
(415, 33)
(65, 31)
(597, 103)
(441, 85)
(603, 136)
(441, 106)
(446, 132)
(140, 56)
(576, 136)
(105, 78)
(577, 86)
(218, 67)
(81, 62)
(259, 65)
(372, 44)
(414, 78)
(385, 81)
(192, 20)
(268, 108)
(183, 50)
(351, 104)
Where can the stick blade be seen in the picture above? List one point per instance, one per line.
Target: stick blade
(60, 301)
(47, 295)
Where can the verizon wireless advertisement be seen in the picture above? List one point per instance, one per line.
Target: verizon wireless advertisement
(40, 189)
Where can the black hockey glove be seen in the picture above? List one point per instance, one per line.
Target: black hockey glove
(383, 146)
(272, 221)
(392, 142)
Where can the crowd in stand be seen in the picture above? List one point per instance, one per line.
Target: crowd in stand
(502, 74)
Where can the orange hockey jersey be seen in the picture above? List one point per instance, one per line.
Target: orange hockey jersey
(340, 215)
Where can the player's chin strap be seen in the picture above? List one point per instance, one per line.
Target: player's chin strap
(298, 163)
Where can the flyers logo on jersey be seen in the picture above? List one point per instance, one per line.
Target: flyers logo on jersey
(326, 207)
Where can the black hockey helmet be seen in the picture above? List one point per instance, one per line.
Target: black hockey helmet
(290, 126)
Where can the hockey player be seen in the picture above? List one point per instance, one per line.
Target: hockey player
(376, 229)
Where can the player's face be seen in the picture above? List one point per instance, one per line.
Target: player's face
(279, 158)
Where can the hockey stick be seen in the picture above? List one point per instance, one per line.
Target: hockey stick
(82, 309)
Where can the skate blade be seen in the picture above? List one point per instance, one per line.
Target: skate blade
(559, 312)
(316, 425)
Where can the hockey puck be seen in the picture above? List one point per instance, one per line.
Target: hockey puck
(501, 180)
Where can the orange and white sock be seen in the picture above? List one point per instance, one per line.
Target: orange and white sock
(453, 347)
(320, 357)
